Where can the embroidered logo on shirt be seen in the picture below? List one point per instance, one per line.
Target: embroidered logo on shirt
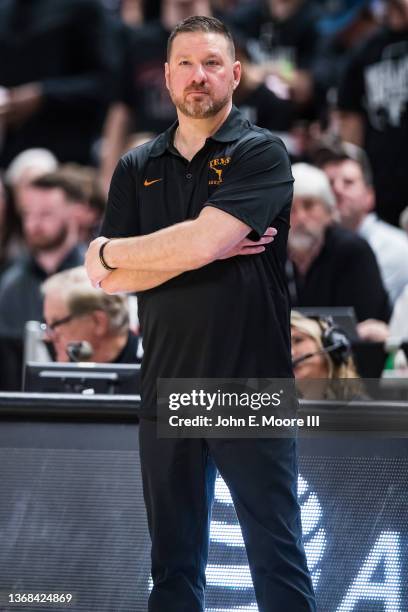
(148, 183)
(215, 166)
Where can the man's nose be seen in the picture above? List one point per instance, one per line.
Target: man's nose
(298, 217)
(199, 75)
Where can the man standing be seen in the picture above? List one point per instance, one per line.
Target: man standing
(190, 199)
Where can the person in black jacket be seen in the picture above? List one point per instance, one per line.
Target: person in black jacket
(329, 265)
(55, 70)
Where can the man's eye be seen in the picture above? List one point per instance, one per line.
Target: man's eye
(212, 63)
(183, 63)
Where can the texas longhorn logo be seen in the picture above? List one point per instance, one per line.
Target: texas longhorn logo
(214, 165)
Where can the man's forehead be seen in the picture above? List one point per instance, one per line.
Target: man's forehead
(307, 200)
(32, 193)
(192, 43)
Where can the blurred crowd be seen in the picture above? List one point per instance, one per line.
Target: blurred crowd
(82, 82)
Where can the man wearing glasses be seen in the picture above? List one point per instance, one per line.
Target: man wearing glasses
(75, 313)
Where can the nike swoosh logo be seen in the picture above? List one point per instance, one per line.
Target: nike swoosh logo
(148, 183)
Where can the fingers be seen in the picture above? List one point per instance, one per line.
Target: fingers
(254, 250)
(271, 231)
(263, 240)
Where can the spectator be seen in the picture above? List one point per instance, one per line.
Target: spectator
(344, 25)
(51, 236)
(142, 101)
(329, 265)
(76, 312)
(56, 66)
(256, 100)
(321, 353)
(351, 180)
(25, 168)
(283, 34)
(373, 102)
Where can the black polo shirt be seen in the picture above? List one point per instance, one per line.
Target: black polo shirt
(231, 317)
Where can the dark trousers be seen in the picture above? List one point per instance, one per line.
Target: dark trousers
(178, 483)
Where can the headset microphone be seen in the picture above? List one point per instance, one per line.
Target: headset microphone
(79, 351)
(328, 349)
(334, 341)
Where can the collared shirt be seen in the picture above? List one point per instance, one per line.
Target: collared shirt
(231, 317)
(390, 246)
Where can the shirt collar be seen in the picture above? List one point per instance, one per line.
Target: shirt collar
(367, 224)
(229, 131)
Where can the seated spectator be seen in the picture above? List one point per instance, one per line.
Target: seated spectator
(350, 177)
(328, 265)
(51, 235)
(321, 353)
(75, 312)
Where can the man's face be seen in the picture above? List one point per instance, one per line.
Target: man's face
(308, 222)
(46, 218)
(283, 9)
(397, 14)
(78, 329)
(201, 74)
(354, 199)
(181, 9)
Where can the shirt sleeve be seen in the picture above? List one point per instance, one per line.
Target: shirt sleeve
(121, 218)
(257, 185)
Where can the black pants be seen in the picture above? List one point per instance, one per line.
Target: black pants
(178, 482)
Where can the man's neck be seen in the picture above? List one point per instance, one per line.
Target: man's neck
(304, 259)
(191, 133)
(110, 349)
(50, 261)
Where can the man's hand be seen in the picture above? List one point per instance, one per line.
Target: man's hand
(252, 247)
(95, 270)
(21, 103)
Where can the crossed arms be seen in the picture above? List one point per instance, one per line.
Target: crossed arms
(144, 262)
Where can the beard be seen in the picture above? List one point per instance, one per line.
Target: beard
(201, 108)
(302, 240)
(44, 244)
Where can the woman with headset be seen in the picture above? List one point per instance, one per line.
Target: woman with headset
(321, 352)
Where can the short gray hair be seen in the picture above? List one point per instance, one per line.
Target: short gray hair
(311, 182)
(75, 288)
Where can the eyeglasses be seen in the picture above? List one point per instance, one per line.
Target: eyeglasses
(51, 327)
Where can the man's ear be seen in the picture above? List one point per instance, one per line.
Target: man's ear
(101, 322)
(166, 74)
(369, 203)
(237, 69)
